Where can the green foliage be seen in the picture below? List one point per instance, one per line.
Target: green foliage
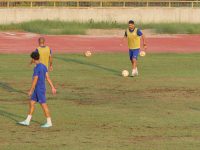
(62, 28)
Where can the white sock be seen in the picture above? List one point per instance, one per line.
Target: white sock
(49, 121)
(133, 72)
(28, 119)
(136, 71)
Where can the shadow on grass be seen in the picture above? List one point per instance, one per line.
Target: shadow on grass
(13, 117)
(115, 72)
(8, 88)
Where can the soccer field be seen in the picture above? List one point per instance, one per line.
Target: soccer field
(98, 109)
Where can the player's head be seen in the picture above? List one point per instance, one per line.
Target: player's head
(35, 56)
(41, 41)
(131, 24)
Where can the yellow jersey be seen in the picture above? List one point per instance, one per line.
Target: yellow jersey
(45, 53)
(133, 39)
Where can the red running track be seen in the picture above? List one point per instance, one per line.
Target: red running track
(27, 42)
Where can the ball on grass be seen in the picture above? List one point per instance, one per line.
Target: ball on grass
(125, 73)
(88, 53)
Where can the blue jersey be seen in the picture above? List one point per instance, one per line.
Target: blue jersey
(40, 70)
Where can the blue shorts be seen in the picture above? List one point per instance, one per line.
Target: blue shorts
(39, 96)
(133, 53)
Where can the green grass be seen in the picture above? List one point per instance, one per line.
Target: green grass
(62, 28)
(59, 27)
(173, 28)
(97, 109)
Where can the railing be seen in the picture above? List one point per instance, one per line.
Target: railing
(97, 3)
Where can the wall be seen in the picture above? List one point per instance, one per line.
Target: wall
(14, 15)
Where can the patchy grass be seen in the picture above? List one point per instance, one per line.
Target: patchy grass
(95, 108)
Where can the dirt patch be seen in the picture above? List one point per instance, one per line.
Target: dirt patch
(164, 90)
(15, 101)
(117, 95)
(172, 92)
(81, 102)
(106, 126)
(3, 141)
(161, 138)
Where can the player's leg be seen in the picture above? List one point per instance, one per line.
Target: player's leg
(31, 107)
(134, 67)
(45, 109)
(42, 101)
(47, 114)
(30, 113)
(134, 62)
(131, 59)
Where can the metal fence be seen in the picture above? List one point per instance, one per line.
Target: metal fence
(96, 3)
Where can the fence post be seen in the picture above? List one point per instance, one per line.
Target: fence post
(147, 3)
(169, 4)
(192, 4)
(31, 4)
(54, 4)
(101, 4)
(8, 4)
(78, 4)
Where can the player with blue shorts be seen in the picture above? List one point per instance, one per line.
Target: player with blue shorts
(38, 90)
(39, 93)
(133, 36)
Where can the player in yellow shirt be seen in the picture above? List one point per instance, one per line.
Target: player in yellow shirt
(133, 36)
(45, 54)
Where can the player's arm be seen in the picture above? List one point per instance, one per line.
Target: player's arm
(53, 89)
(144, 41)
(139, 33)
(34, 82)
(51, 61)
(124, 38)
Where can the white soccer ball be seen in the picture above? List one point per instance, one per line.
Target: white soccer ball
(125, 73)
(142, 53)
(88, 53)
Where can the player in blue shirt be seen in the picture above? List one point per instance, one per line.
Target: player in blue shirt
(38, 90)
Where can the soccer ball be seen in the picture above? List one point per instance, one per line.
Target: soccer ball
(142, 53)
(88, 53)
(125, 73)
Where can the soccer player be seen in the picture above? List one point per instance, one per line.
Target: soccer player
(45, 54)
(133, 36)
(38, 91)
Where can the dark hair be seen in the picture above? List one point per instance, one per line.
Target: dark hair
(131, 22)
(35, 55)
(41, 40)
